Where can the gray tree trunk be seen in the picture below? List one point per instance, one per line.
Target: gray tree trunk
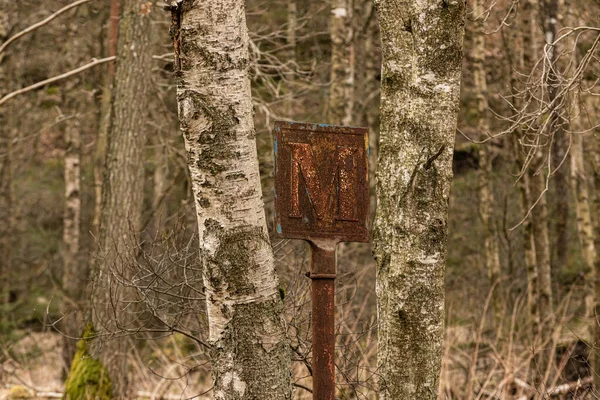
(292, 42)
(523, 50)
(422, 58)
(550, 9)
(123, 187)
(105, 114)
(251, 357)
(6, 231)
(486, 192)
(595, 157)
(341, 91)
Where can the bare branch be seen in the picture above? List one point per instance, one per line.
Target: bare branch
(56, 78)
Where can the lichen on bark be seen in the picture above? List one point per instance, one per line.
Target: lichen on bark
(421, 71)
(250, 352)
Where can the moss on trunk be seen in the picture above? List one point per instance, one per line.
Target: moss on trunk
(88, 379)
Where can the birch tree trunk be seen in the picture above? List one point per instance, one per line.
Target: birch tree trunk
(341, 91)
(251, 357)
(123, 188)
(73, 276)
(486, 202)
(421, 71)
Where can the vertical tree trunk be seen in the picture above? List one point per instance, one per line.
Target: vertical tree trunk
(538, 183)
(292, 26)
(560, 140)
(539, 218)
(523, 50)
(5, 179)
(341, 91)
(105, 113)
(528, 241)
(251, 357)
(73, 277)
(582, 209)
(75, 272)
(486, 202)
(579, 182)
(595, 157)
(421, 71)
(161, 169)
(123, 187)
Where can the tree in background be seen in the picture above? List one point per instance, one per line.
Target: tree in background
(421, 74)
(341, 91)
(251, 355)
(6, 192)
(122, 191)
(486, 154)
(105, 113)
(550, 11)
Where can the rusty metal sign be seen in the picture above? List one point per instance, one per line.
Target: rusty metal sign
(321, 182)
(322, 195)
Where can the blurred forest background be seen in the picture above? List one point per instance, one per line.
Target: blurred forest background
(500, 316)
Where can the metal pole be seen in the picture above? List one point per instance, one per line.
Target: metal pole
(322, 273)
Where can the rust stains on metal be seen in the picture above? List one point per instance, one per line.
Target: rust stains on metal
(323, 319)
(321, 182)
(322, 195)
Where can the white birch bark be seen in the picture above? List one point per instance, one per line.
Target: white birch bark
(251, 358)
(73, 275)
(291, 39)
(422, 57)
(341, 90)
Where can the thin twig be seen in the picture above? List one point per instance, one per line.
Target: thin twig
(41, 23)
(56, 78)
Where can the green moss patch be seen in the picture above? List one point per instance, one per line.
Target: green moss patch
(88, 378)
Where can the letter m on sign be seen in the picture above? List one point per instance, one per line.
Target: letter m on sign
(321, 182)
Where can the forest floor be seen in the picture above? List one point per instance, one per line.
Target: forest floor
(34, 368)
(35, 363)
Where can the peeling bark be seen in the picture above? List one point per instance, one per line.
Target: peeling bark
(421, 71)
(251, 357)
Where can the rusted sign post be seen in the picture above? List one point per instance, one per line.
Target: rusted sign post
(322, 195)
